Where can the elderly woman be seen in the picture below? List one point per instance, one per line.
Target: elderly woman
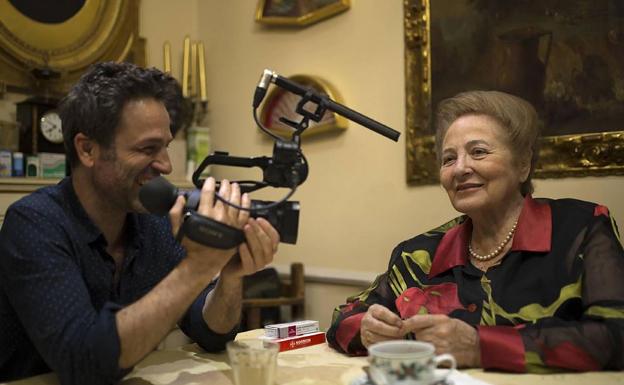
(517, 283)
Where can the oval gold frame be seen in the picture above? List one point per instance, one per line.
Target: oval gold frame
(317, 83)
(101, 30)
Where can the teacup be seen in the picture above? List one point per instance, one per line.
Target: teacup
(406, 362)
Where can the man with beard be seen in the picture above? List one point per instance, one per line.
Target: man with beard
(90, 282)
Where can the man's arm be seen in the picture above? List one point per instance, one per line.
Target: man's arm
(142, 325)
(222, 309)
(46, 288)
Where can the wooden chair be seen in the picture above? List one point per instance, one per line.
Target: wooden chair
(292, 294)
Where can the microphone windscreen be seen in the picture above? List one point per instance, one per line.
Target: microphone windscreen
(158, 195)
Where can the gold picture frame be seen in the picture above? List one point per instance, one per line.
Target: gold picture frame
(281, 103)
(298, 13)
(99, 30)
(585, 152)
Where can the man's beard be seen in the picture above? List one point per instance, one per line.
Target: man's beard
(116, 195)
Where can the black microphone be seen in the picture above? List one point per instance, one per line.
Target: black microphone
(158, 196)
(287, 84)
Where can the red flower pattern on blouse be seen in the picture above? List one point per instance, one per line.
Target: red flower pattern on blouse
(601, 210)
(437, 299)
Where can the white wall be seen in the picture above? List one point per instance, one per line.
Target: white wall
(356, 189)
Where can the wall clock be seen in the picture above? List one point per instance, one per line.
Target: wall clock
(51, 127)
(281, 103)
(40, 127)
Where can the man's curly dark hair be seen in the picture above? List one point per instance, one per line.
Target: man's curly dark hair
(94, 104)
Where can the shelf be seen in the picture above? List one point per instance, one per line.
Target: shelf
(28, 185)
(25, 185)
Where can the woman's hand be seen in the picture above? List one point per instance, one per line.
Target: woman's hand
(449, 335)
(380, 324)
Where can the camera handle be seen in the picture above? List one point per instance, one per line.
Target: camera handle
(209, 232)
(223, 158)
(287, 168)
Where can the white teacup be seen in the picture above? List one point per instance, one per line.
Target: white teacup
(406, 362)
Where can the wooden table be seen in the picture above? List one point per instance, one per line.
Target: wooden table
(314, 365)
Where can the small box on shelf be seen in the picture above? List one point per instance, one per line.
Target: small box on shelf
(18, 164)
(52, 165)
(6, 163)
(33, 169)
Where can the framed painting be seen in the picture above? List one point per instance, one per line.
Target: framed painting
(298, 12)
(565, 57)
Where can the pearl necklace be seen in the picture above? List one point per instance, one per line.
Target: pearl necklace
(496, 251)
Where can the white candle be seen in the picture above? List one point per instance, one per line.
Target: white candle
(202, 72)
(193, 70)
(185, 66)
(167, 57)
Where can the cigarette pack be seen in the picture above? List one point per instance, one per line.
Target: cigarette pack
(291, 329)
(297, 342)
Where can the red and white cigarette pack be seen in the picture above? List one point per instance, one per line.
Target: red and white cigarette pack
(297, 342)
(291, 329)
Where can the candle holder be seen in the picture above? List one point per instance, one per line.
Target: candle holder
(195, 103)
(193, 81)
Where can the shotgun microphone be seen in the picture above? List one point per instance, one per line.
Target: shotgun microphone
(319, 98)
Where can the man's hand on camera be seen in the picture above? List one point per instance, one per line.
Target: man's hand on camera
(207, 257)
(261, 241)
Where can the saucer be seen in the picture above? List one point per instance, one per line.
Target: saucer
(364, 379)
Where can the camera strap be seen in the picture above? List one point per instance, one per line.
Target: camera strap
(209, 232)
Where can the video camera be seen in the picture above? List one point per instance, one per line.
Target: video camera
(287, 168)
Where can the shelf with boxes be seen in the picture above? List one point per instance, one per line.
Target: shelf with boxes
(42, 165)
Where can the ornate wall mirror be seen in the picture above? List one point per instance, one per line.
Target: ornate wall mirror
(46, 45)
